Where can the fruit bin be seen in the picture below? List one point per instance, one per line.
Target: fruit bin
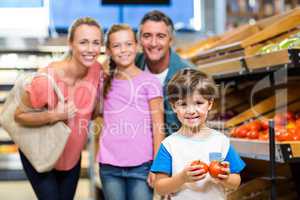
(259, 149)
(273, 152)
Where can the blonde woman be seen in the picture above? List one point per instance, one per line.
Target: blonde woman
(77, 77)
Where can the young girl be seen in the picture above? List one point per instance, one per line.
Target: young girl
(76, 76)
(191, 95)
(133, 121)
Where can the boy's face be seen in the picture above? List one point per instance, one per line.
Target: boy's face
(192, 111)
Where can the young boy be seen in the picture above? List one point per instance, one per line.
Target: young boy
(191, 94)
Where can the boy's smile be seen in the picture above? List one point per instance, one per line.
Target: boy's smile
(192, 112)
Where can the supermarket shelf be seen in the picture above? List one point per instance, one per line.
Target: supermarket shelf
(37, 50)
(4, 135)
(15, 61)
(19, 68)
(253, 67)
(10, 175)
(258, 149)
(287, 56)
(10, 162)
(3, 95)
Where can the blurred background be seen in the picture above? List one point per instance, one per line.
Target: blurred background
(240, 43)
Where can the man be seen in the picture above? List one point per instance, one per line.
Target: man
(156, 34)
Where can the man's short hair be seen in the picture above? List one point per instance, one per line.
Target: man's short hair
(158, 16)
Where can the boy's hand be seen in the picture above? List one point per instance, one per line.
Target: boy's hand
(151, 179)
(193, 173)
(222, 177)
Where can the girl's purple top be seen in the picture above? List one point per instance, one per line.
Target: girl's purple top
(127, 138)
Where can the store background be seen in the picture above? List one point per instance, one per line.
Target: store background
(33, 33)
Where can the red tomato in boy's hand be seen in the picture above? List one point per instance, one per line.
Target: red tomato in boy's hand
(215, 168)
(202, 165)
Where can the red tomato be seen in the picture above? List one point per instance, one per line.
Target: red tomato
(215, 168)
(298, 130)
(233, 132)
(289, 116)
(264, 124)
(253, 134)
(292, 131)
(282, 134)
(254, 125)
(202, 165)
(280, 119)
(263, 135)
(242, 131)
(291, 125)
(295, 137)
(298, 123)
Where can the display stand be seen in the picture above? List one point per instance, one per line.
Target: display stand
(272, 159)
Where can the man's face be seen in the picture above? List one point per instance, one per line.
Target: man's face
(155, 39)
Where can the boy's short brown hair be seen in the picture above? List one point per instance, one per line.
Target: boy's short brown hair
(185, 82)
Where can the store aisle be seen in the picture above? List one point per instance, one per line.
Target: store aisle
(17, 190)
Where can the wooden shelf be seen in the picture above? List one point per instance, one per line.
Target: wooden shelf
(281, 57)
(222, 67)
(251, 64)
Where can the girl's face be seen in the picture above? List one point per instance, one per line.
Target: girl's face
(192, 111)
(86, 44)
(122, 48)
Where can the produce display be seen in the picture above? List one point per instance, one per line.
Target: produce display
(246, 61)
(287, 128)
(287, 43)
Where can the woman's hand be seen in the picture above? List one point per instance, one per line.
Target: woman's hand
(64, 111)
